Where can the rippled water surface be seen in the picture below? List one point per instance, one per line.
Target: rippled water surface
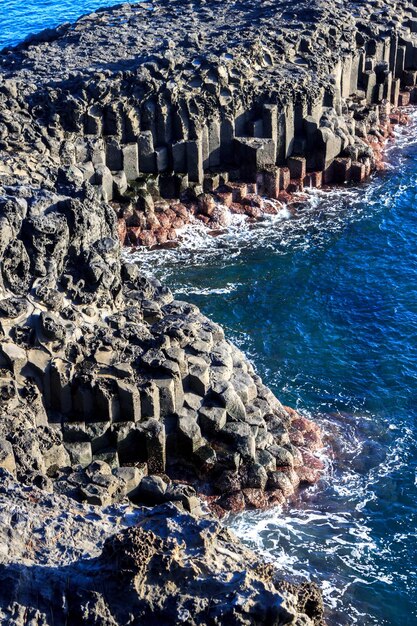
(325, 303)
(20, 18)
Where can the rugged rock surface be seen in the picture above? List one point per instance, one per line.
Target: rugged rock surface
(66, 563)
(111, 368)
(277, 94)
(232, 55)
(101, 364)
(109, 387)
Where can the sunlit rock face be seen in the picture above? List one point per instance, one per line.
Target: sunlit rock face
(109, 387)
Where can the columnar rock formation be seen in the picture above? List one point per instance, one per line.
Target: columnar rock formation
(276, 95)
(101, 364)
(109, 387)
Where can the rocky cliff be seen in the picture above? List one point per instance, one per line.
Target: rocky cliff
(109, 387)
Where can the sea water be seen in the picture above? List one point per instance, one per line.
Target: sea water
(20, 18)
(324, 302)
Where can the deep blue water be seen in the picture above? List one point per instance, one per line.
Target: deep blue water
(325, 304)
(20, 18)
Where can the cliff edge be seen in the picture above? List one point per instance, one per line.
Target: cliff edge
(111, 390)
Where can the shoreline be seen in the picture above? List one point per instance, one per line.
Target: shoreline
(184, 280)
(158, 226)
(111, 390)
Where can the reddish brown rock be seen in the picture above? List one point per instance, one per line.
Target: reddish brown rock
(255, 498)
(292, 413)
(133, 235)
(169, 245)
(307, 475)
(170, 214)
(216, 233)
(239, 190)
(234, 502)
(252, 199)
(271, 182)
(181, 211)
(297, 438)
(147, 238)
(237, 208)
(225, 198)
(161, 235)
(312, 461)
(295, 186)
(203, 218)
(270, 209)
(358, 172)
(284, 197)
(152, 222)
(284, 179)
(276, 497)
(217, 510)
(313, 439)
(122, 230)
(178, 222)
(254, 212)
(164, 220)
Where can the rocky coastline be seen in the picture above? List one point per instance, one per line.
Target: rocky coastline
(114, 396)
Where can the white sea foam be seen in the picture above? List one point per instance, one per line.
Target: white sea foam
(325, 212)
(206, 291)
(334, 545)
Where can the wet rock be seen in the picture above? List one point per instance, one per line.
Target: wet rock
(278, 480)
(234, 502)
(255, 498)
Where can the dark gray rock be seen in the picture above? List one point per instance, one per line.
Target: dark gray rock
(166, 561)
(104, 377)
